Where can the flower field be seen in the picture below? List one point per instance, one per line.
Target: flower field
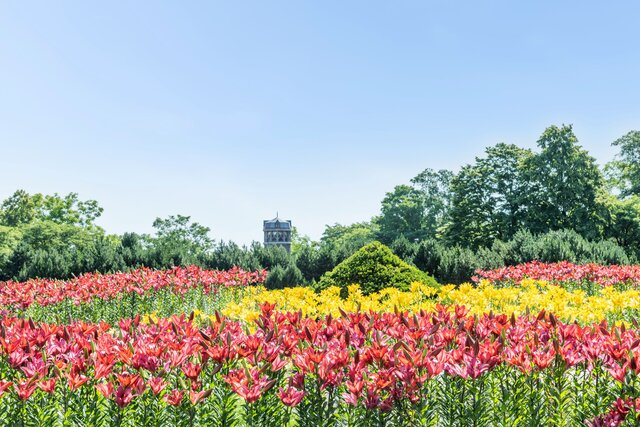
(191, 347)
(565, 273)
(530, 296)
(111, 297)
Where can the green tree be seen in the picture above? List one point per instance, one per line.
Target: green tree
(417, 211)
(435, 188)
(624, 226)
(179, 241)
(404, 249)
(506, 186)
(403, 213)
(472, 210)
(348, 238)
(71, 210)
(20, 208)
(298, 241)
(134, 249)
(428, 256)
(48, 249)
(623, 173)
(487, 201)
(24, 208)
(565, 186)
(10, 238)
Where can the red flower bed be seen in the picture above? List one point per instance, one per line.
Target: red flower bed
(369, 360)
(95, 285)
(604, 275)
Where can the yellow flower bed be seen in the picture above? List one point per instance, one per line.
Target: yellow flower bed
(532, 295)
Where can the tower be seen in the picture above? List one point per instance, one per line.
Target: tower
(277, 232)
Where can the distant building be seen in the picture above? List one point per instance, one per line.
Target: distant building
(277, 232)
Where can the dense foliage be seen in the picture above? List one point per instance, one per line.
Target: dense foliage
(374, 267)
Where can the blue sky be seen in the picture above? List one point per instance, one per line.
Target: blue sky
(231, 111)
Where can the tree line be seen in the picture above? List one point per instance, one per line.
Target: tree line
(510, 205)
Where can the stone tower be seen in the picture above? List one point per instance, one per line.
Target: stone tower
(277, 232)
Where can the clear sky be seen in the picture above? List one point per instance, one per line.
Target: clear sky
(231, 111)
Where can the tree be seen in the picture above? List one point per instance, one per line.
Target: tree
(306, 260)
(347, 239)
(71, 210)
(417, 211)
(435, 188)
(298, 241)
(271, 255)
(487, 201)
(179, 241)
(23, 208)
(623, 172)
(472, 209)
(428, 256)
(403, 213)
(49, 249)
(20, 208)
(10, 238)
(404, 249)
(566, 186)
(506, 187)
(624, 226)
(133, 249)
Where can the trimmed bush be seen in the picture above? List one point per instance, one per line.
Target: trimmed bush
(374, 267)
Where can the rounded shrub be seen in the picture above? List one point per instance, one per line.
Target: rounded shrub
(374, 267)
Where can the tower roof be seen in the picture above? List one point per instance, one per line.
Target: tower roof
(277, 223)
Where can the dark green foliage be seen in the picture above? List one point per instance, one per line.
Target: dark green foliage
(282, 277)
(488, 200)
(457, 265)
(564, 186)
(561, 245)
(402, 214)
(404, 249)
(428, 256)
(417, 211)
(624, 224)
(489, 258)
(374, 267)
(225, 255)
(270, 256)
(132, 250)
(523, 247)
(307, 259)
(276, 278)
(609, 252)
